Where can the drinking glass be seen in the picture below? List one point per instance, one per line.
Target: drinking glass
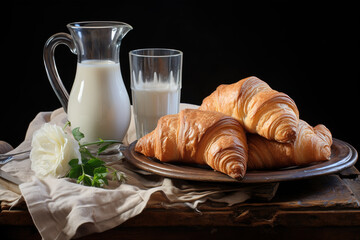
(155, 85)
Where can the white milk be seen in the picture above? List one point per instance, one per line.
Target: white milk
(151, 103)
(99, 103)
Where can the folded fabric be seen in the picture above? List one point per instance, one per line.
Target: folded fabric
(62, 209)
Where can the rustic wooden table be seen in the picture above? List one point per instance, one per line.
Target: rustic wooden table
(324, 207)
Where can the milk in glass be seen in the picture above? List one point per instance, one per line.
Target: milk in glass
(152, 100)
(155, 85)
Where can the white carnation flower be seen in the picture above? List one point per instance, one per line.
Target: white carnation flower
(52, 149)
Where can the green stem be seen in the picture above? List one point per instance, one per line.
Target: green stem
(82, 175)
(99, 142)
(114, 170)
(66, 124)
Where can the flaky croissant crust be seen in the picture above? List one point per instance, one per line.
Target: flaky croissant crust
(257, 107)
(312, 144)
(201, 137)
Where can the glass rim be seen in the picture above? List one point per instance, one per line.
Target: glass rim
(155, 52)
(97, 24)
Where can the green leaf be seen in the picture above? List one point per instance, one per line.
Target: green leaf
(103, 148)
(101, 172)
(99, 179)
(85, 153)
(74, 162)
(99, 182)
(75, 172)
(95, 162)
(91, 171)
(90, 165)
(85, 180)
(80, 179)
(77, 134)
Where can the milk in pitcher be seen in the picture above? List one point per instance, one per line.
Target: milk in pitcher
(101, 106)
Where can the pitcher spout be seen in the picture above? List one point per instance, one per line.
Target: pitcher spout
(99, 40)
(124, 29)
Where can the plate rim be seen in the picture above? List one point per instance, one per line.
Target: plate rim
(318, 169)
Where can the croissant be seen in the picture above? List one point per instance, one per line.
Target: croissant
(200, 137)
(259, 108)
(311, 145)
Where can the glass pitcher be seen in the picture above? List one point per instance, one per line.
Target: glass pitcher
(98, 102)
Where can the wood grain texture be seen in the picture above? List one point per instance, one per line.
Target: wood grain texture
(324, 206)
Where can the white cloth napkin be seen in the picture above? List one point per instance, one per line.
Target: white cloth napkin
(62, 209)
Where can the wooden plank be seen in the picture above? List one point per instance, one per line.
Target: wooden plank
(332, 218)
(327, 202)
(320, 192)
(350, 172)
(174, 224)
(17, 232)
(249, 217)
(15, 218)
(209, 233)
(354, 186)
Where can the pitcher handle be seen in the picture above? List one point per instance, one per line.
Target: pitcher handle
(50, 66)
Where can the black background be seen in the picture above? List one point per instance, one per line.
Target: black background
(311, 52)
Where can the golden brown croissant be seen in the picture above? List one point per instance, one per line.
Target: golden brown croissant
(259, 108)
(311, 145)
(201, 137)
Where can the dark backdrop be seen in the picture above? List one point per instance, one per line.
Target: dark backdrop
(310, 52)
